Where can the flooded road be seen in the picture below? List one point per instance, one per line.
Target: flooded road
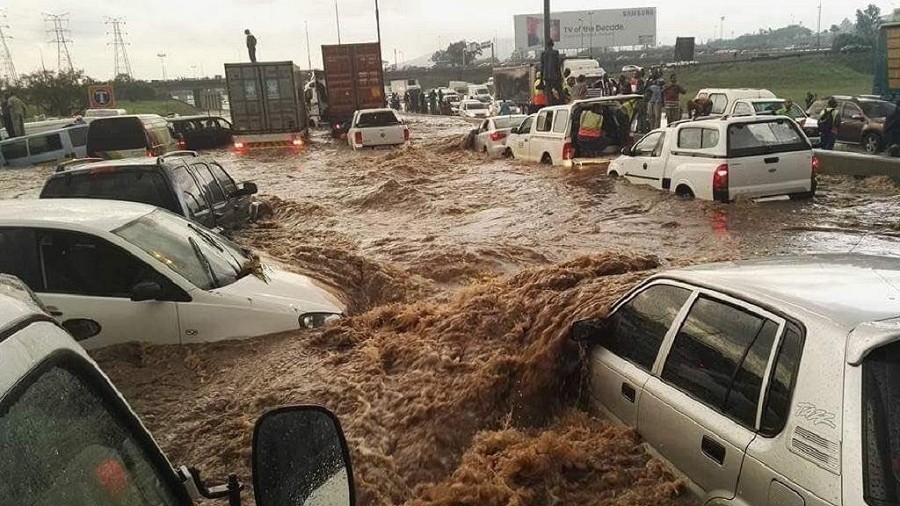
(455, 379)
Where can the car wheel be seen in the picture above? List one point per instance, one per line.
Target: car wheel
(546, 159)
(872, 144)
(802, 195)
(684, 193)
(484, 150)
(509, 154)
(613, 175)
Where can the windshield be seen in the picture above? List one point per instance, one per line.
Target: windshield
(482, 91)
(775, 106)
(205, 259)
(877, 108)
(881, 425)
(508, 121)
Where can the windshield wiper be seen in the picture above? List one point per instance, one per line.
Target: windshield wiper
(204, 262)
(208, 239)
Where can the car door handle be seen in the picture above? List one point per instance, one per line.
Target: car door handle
(645, 166)
(54, 311)
(629, 393)
(774, 159)
(713, 450)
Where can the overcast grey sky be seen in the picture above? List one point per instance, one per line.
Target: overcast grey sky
(206, 33)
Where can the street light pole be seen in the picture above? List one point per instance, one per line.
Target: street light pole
(819, 27)
(547, 25)
(337, 18)
(378, 22)
(582, 33)
(308, 50)
(591, 18)
(162, 62)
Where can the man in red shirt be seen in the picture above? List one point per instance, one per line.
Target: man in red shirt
(672, 96)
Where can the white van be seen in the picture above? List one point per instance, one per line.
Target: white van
(550, 136)
(480, 92)
(723, 99)
(45, 147)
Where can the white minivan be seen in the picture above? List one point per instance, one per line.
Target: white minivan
(49, 146)
(143, 274)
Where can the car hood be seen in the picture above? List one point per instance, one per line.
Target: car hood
(285, 290)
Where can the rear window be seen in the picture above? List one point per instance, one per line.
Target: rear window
(78, 135)
(508, 122)
(877, 109)
(377, 119)
(755, 139)
(476, 106)
(116, 134)
(144, 186)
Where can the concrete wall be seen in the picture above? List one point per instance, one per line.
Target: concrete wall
(433, 78)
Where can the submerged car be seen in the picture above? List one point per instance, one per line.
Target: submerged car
(769, 382)
(490, 137)
(144, 274)
(70, 438)
(195, 187)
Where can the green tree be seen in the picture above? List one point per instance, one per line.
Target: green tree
(128, 88)
(867, 22)
(56, 94)
(458, 54)
(847, 39)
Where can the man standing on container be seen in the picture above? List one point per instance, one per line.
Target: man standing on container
(251, 45)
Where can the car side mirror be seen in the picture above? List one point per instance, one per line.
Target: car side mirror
(590, 331)
(247, 188)
(300, 457)
(514, 131)
(82, 328)
(857, 117)
(146, 291)
(627, 152)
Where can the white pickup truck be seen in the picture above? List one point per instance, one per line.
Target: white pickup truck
(377, 127)
(723, 159)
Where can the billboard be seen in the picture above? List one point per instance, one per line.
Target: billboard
(583, 29)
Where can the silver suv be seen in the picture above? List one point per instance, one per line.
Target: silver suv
(772, 382)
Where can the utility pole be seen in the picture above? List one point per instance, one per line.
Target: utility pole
(337, 18)
(60, 33)
(162, 62)
(721, 31)
(819, 27)
(122, 65)
(6, 61)
(308, 50)
(591, 19)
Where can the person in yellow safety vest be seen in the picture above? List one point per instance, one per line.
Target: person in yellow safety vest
(591, 141)
(538, 96)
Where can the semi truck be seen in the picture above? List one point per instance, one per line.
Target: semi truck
(268, 109)
(354, 79)
(887, 62)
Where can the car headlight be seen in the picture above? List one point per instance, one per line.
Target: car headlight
(314, 321)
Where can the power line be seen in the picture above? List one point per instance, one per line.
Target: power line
(60, 36)
(6, 61)
(122, 65)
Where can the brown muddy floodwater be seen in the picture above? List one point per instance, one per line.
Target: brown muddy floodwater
(454, 377)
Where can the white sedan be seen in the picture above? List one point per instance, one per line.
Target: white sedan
(493, 132)
(142, 274)
(473, 109)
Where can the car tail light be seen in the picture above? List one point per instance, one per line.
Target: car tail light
(150, 153)
(497, 136)
(720, 178)
(297, 142)
(568, 151)
(238, 145)
(816, 163)
(357, 138)
(405, 134)
(181, 144)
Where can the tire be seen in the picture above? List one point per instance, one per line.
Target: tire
(872, 143)
(546, 159)
(613, 175)
(484, 150)
(684, 192)
(509, 154)
(802, 196)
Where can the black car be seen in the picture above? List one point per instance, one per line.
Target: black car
(192, 186)
(201, 132)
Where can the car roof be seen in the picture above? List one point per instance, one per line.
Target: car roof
(383, 109)
(139, 116)
(846, 289)
(66, 214)
(126, 163)
(17, 302)
(192, 118)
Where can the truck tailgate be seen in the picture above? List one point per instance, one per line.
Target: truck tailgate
(383, 136)
(772, 174)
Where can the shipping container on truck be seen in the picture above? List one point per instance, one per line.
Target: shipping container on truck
(268, 109)
(515, 84)
(354, 79)
(887, 62)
